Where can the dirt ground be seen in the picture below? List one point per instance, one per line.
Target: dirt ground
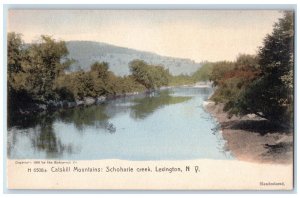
(253, 139)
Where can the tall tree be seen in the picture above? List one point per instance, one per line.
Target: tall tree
(15, 55)
(45, 61)
(271, 95)
(99, 73)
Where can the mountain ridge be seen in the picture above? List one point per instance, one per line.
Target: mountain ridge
(87, 52)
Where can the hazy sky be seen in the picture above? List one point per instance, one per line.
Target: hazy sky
(195, 34)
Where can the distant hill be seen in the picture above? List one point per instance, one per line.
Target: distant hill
(87, 52)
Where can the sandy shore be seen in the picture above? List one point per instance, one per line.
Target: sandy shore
(253, 139)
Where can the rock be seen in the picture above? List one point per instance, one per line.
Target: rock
(79, 102)
(89, 101)
(101, 99)
(251, 116)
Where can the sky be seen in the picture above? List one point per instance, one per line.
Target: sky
(200, 35)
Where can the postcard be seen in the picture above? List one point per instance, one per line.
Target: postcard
(150, 99)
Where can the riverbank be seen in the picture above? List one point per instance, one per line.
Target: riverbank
(65, 104)
(253, 139)
(87, 101)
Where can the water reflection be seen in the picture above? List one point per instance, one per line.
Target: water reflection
(121, 128)
(82, 117)
(147, 105)
(46, 140)
(41, 138)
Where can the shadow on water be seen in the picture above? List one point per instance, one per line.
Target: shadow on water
(83, 117)
(145, 106)
(42, 138)
(46, 140)
(38, 128)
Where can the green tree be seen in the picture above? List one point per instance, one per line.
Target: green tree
(100, 75)
(203, 73)
(15, 87)
(271, 95)
(150, 76)
(160, 76)
(14, 54)
(80, 84)
(232, 80)
(45, 61)
(219, 69)
(181, 79)
(34, 71)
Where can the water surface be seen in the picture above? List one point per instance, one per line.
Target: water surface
(166, 125)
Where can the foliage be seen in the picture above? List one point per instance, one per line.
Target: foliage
(33, 71)
(181, 80)
(37, 73)
(43, 64)
(262, 84)
(232, 79)
(97, 82)
(14, 53)
(203, 73)
(151, 76)
(273, 89)
(219, 69)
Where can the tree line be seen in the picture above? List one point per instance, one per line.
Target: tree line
(37, 74)
(261, 84)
